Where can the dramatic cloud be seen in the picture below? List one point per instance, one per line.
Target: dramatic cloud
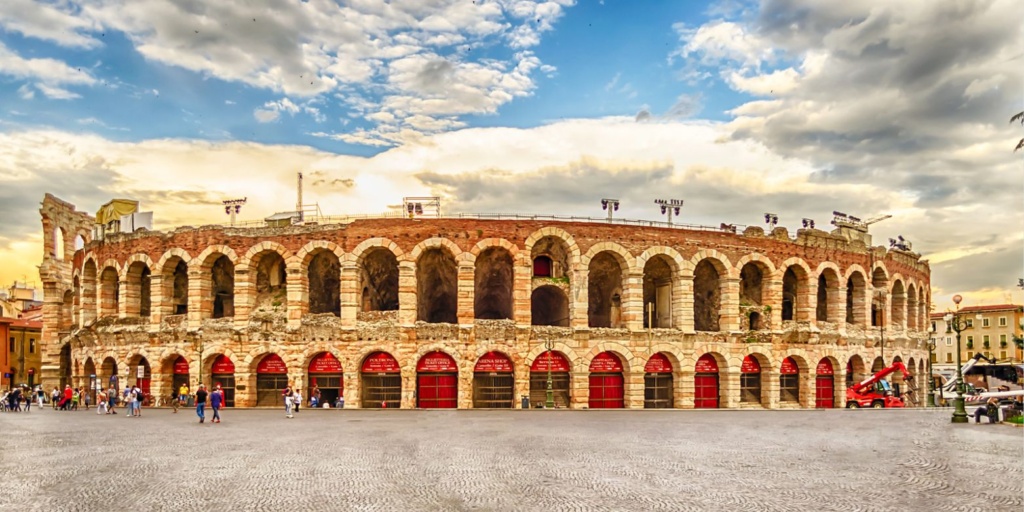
(910, 97)
(47, 73)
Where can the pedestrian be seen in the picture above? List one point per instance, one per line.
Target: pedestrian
(85, 399)
(183, 395)
(175, 401)
(139, 397)
(216, 401)
(112, 400)
(26, 395)
(296, 399)
(54, 398)
(990, 410)
(288, 395)
(201, 395)
(314, 398)
(101, 403)
(14, 400)
(129, 402)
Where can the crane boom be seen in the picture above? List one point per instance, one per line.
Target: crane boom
(885, 372)
(878, 218)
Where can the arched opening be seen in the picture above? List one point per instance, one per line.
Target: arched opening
(658, 285)
(66, 308)
(64, 365)
(175, 284)
(493, 382)
(271, 379)
(922, 309)
(750, 380)
(58, 244)
(794, 293)
(856, 297)
(828, 309)
(824, 385)
(607, 390)
(555, 366)
(324, 273)
(789, 381)
(492, 298)
(109, 292)
(141, 375)
(752, 296)
(90, 374)
(108, 374)
(137, 292)
(896, 378)
(180, 377)
(880, 283)
(270, 273)
(89, 291)
(705, 383)
(437, 287)
(659, 392)
(76, 302)
(878, 365)
(550, 256)
(707, 297)
(854, 370)
(899, 305)
(380, 382)
(437, 382)
(549, 306)
(911, 307)
(326, 379)
(378, 279)
(79, 242)
(222, 373)
(604, 286)
(222, 286)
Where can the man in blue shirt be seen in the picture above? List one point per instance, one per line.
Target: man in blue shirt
(216, 401)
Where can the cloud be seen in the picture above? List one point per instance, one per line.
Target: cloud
(26, 92)
(47, 71)
(266, 116)
(57, 93)
(57, 23)
(686, 106)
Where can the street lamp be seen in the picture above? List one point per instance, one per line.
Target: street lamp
(931, 381)
(197, 346)
(612, 205)
(668, 206)
(953, 320)
(549, 402)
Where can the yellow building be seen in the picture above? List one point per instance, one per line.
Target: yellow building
(990, 330)
(22, 355)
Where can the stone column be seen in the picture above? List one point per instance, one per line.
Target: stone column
(579, 299)
(297, 292)
(160, 305)
(772, 298)
(522, 282)
(685, 302)
(351, 389)
(407, 293)
(245, 297)
(729, 305)
(579, 389)
(837, 308)
(465, 289)
(634, 388)
(350, 295)
(770, 388)
(729, 388)
(633, 303)
(130, 297)
(807, 302)
(200, 305)
(89, 306)
(684, 388)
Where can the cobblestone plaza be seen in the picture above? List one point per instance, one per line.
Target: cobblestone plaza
(509, 460)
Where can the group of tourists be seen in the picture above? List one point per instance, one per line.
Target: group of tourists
(215, 398)
(17, 400)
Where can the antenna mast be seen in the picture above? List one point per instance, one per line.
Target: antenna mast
(298, 203)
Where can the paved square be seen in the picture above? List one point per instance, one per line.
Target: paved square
(509, 460)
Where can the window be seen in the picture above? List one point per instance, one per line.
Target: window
(1002, 354)
(985, 341)
(970, 354)
(1002, 339)
(949, 341)
(933, 326)
(970, 323)
(984, 322)
(949, 358)
(12, 344)
(789, 387)
(1002, 321)
(935, 358)
(970, 339)
(750, 387)
(31, 345)
(988, 354)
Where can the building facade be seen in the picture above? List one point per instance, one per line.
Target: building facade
(990, 330)
(22, 353)
(471, 313)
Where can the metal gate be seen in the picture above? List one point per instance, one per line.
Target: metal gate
(493, 390)
(329, 385)
(705, 391)
(658, 393)
(824, 393)
(380, 389)
(227, 383)
(539, 388)
(606, 391)
(269, 387)
(437, 390)
(179, 379)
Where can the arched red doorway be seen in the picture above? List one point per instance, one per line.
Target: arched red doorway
(326, 376)
(222, 373)
(606, 382)
(381, 382)
(658, 389)
(555, 364)
(750, 380)
(493, 382)
(705, 383)
(789, 381)
(179, 375)
(271, 379)
(824, 385)
(142, 377)
(437, 382)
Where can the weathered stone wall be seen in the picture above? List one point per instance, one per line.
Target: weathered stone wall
(441, 275)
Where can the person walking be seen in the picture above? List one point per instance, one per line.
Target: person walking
(216, 402)
(201, 395)
(40, 395)
(54, 398)
(288, 395)
(101, 403)
(85, 399)
(175, 401)
(112, 400)
(139, 397)
(129, 402)
(26, 395)
(314, 397)
(296, 400)
(183, 395)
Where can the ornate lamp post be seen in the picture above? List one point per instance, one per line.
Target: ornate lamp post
(197, 346)
(549, 402)
(931, 381)
(958, 324)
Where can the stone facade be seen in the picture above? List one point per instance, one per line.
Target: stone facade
(246, 293)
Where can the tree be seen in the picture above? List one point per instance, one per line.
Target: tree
(1019, 116)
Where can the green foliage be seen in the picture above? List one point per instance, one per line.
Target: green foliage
(563, 279)
(479, 233)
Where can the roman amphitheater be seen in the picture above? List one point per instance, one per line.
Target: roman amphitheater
(464, 312)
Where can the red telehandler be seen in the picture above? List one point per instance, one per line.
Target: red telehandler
(875, 391)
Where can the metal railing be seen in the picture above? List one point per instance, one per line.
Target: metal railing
(347, 219)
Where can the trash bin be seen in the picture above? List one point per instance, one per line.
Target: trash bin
(191, 401)
(526, 402)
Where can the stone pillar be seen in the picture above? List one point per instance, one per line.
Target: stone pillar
(522, 282)
(408, 388)
(160, 305)
(634, 388)
(579, 389)
(686, 302)
(807, 302)
(465, 289)
(837, 308)
(633, 304)
(579, 299)
(350, 295)
(49, 342)
(729, 305)
(407, 293)
(352, 389)
(839, 386)
(245, 296)
(862, 306)
(297, 292)
(729, 388)
(770, 388)
(772, 298)
(521, 387)
(130, 297)
(200, 305)
(89, 306)
(684, 388)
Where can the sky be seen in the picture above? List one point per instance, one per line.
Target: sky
(795, 107)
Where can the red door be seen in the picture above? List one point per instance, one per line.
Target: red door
(606, 391)
(705, 383)
(437, 391)
(824, 386)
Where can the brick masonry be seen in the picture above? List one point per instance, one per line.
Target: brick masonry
(103, 325)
